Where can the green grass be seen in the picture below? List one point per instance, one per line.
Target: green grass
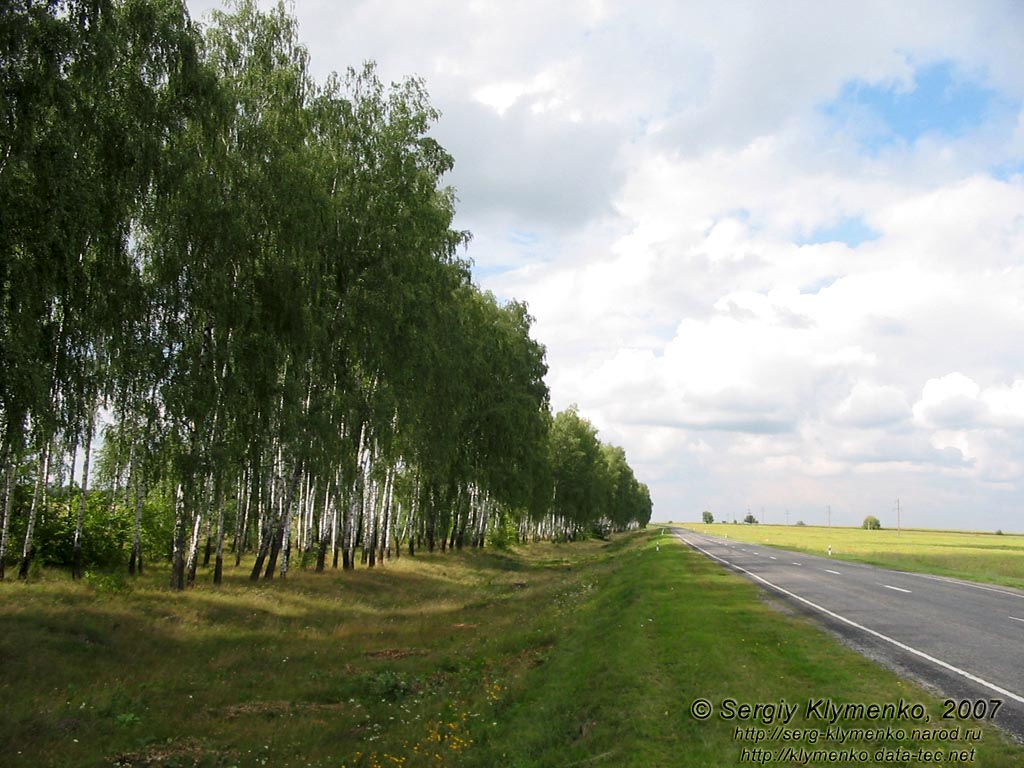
(987, 557)
(586, 654)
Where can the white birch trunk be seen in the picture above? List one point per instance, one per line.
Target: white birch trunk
(178, 555)
(334, 534)
(76, 563)
(385, 523)
(218, 568)
(40, 490)
(323, 532)
(289, 504)
(8, 503)
(242, 521)
(193, 549)
(135, 565)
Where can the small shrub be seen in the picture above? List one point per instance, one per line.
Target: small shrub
(127, 719)
(107, 582)
(390, 685)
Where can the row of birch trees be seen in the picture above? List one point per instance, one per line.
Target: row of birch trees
(246, 282)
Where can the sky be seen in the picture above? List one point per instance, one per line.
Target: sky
(774, 250)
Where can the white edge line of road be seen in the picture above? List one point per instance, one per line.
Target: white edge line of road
(932, 576)
(898, 589)
(963, 583)
(879, 635)
(1014, 618)
(829, 570)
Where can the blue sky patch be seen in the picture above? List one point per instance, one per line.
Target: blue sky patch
(850, 230)
(1008, 170)
(941, 102)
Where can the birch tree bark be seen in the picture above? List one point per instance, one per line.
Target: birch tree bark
(8, 504)
(38, 500)
(76, 557)
(218, 568)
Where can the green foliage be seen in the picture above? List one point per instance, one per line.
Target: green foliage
(256, 273)
(111, 582)
(871, 523)
(503, 533)
(390, 685)
(106, 531)
(708, 517)
(750, 519)
(127, 719)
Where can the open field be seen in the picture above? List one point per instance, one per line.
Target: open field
(987, 557)
(587, 654)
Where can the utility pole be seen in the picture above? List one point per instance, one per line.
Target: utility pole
(787, 515)
(897, 516)
(829, 516)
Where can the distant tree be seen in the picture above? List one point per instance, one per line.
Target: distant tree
(800, 522)
(871, 523)
(708, 517)
(750, 520)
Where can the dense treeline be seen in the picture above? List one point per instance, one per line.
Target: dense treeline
(249, 281)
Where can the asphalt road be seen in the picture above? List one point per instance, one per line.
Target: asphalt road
(962, 639)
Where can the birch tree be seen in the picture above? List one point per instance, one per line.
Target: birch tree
(86, 100)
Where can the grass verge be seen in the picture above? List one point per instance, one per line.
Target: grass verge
(553, 655)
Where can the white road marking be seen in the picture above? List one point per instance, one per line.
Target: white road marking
(964, 583)
(874, 633)
(797, 563)
(898, 589)
(773, 557)
(1015, 618)
(837, 573)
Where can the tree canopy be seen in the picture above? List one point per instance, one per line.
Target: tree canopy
(252, 279)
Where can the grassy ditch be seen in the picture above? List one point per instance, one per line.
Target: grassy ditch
(588, 654)
(986, 557)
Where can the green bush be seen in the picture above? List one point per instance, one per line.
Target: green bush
(107, 528)
(503, 533)
(111, 582)
(390, 686)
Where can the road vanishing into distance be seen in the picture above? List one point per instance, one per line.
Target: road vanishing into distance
(964, 639)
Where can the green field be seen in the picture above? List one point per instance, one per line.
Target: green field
(586, 654)
(988, 557)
